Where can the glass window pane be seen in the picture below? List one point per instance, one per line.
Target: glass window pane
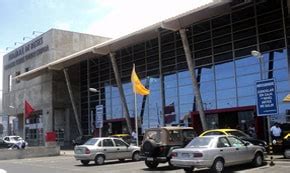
(250, 69)
(206, 74)
(247, 101)
(207, 87)
(207, 96)
(249, 80)
(185, 81)
(185, 99)
(224, 94)
(224, 70)
(247, 91)
(186, 90)
(282, 86)
(281, 75)
(225, 84)
(247, 61)
(228, 103)
(170, 81)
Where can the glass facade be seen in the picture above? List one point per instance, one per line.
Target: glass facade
(226, 70)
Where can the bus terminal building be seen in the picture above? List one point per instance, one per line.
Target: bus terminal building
(221, 36)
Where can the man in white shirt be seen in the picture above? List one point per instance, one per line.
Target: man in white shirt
(276, 131)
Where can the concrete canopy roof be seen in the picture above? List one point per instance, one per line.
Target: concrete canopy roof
(175, 23)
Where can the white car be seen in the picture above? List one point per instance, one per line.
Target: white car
(15, 141)
(216, 152)
(105, 148)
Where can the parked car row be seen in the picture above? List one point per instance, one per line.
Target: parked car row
(180, 147)
(214, 149)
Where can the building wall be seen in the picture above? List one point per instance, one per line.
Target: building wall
(221, 47)
(44, 92)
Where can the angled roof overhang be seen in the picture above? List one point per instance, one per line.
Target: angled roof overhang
(205, 11)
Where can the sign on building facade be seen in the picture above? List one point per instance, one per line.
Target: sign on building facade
(266, 97)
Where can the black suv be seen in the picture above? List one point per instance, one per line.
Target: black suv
(158, 143)
(80, 140)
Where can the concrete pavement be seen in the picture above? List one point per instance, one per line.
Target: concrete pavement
(66, 152)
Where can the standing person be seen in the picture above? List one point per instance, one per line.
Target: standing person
(276, 131)
(134, 136)
(252, 131)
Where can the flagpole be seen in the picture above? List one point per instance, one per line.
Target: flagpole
(24, 122)
(136, 118)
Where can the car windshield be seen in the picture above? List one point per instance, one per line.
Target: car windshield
(153, 135)
(188, 133)
(200, 142)
(91, 141)
(238, 134)
(16, 138)
(175, 135)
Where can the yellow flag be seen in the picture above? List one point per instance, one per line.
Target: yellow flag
(287, 98)
(138, 87)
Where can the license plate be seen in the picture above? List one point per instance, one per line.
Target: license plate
(186, 155)
(78, 151)
(150, 159)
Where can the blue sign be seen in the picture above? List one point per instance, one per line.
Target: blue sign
(99, 116)
(266, 97)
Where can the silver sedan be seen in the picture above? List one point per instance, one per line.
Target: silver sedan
(101, 149)
(216, 152)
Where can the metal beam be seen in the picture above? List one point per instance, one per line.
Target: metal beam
(89, 97)
(162, 91)
(121, 91)
(72, 100)
(191, 67)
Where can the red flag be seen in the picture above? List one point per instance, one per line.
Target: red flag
(27, 109)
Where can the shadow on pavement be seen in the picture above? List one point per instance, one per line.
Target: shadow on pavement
(227, 169)
(92, 163)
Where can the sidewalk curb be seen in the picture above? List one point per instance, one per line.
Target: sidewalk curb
(66, 153)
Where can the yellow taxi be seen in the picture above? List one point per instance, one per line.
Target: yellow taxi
(242, 135)
(125, 137)
(286, 146)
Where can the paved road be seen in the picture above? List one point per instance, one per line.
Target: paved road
(67, 164)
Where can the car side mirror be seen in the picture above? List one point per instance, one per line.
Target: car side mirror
(247, 144)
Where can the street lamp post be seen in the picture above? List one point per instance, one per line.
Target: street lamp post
(94, 90)
(15, 114)
(9, 127)
(258, 55)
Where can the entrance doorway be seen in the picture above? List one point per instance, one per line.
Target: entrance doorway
(235, 118)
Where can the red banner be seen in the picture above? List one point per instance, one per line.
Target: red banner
(27, 109)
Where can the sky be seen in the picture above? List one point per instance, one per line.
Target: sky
(110, 18)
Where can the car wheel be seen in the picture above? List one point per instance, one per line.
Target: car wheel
(258, 160)
(151, 164)
(188, 170)
(100, 159)
(136, 156)
(85, 162)
(217, 166)
(170, 164)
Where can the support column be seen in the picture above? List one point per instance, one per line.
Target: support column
(162, 92)
(121, 91)
(89, 97)
(191, 66)
(72, 100)
(67, 127)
